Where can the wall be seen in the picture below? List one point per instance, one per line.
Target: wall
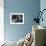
(1, 21)
(43, 6)
(29, 8)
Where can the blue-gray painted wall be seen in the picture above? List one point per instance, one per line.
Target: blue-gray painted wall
(29, 8)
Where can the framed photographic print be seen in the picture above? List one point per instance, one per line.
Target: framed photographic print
(16, 18)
